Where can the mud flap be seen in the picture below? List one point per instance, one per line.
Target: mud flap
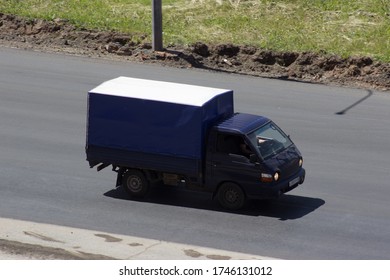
(119, 177)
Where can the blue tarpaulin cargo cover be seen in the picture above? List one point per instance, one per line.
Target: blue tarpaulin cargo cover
(154, 117)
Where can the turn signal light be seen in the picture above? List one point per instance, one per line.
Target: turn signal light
(268, 178)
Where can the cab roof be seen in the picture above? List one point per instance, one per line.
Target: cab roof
(242, 123)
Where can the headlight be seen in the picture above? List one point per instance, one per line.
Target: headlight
(300, 162)
(276, 176)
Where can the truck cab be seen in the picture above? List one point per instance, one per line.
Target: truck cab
(249, 156)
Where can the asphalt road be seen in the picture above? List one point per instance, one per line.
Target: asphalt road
(342, 211)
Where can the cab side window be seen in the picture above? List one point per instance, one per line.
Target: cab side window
(232, 144)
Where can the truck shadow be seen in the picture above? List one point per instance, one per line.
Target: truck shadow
(287, 207)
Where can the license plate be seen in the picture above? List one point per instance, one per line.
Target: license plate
(293, 182)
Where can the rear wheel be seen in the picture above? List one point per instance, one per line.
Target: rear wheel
(231, 196)
(135, 183)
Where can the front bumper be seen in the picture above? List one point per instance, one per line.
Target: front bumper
(274, 190)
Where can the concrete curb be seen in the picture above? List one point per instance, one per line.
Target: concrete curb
(29, 240)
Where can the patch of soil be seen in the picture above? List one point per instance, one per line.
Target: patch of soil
(60, 36)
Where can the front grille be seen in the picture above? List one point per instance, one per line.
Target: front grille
(290, 168)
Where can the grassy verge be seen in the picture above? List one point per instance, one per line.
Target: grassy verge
(347, 28)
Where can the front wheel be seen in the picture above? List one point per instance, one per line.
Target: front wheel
(231, 196)
(135, 183)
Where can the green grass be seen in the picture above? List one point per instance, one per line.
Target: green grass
(346, 28)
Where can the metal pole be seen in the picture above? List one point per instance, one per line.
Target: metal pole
(157, 40)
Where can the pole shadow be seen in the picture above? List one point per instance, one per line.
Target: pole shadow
(344, 111)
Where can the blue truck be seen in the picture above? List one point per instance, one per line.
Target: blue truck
(159, 133)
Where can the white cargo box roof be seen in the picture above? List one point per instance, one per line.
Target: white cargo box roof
(158, 91)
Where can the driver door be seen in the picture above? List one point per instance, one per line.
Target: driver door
(230, 163)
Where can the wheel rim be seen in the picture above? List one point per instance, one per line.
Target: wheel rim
(134, 183)
(231, 196)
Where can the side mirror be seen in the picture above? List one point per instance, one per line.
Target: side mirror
(253, 158)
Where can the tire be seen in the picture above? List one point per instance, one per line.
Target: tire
(231, 196)
(135, 183)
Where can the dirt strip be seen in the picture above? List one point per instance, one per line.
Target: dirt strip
(60, 36)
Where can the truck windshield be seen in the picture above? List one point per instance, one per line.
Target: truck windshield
(270, 140)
